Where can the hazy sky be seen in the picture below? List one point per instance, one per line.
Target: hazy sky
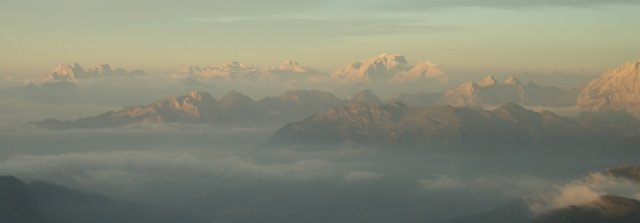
(510, 35)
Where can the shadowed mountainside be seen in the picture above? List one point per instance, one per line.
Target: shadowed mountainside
(38, 202)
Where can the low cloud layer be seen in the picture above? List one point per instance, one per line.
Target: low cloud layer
(511, 186)
(119, 168)
(584, 191)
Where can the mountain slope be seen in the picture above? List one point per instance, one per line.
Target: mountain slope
(16, 203)
(607, 209)
(195, 107)
(365, 96)
(615, 90)
(421, 99)
(40, 202)
(434, 126)
(489, 92)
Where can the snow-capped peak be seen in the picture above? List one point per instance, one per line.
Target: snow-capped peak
(511, 80)
(75, 71)
(615, 90)
(489, 80)
(65, 72)
(292, 66)
(101, 69)
(422, 70)
(198, 95)
(382, 66)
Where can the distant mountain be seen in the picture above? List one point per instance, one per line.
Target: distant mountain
(489, 92)
(287, 70)
(67, 72)
(298, 103)
(438, 126)
(231, 71)
(615, 90)
(389, 67)
(292, 70)
(40, 202)
(365, 96)
(195, 107)
(421, 99)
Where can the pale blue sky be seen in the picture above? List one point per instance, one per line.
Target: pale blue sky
(475, 35)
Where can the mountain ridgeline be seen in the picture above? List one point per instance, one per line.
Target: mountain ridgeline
(489, 92)
(399, 124)
(617, 90)
(195, 107)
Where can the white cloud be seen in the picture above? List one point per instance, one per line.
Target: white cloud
(122, 168)
(584, 191)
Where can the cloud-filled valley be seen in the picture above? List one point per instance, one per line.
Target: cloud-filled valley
(207, 142)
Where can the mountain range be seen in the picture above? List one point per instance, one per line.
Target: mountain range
(425, 127)
(67, 72)
(488, 92)
(196, 107)
(389, 67)
(384, 67)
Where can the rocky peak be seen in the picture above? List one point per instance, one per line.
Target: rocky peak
(237, 66)
(488, 80)
(512, 81)
(615, 90)
(199, 95)
(390, 59)
(292, 66)
(101, 69)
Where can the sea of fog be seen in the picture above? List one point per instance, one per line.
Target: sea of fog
(232, 174)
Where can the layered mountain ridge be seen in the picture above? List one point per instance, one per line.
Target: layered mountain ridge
(489, 92)
(399, 124)
(201, 108)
